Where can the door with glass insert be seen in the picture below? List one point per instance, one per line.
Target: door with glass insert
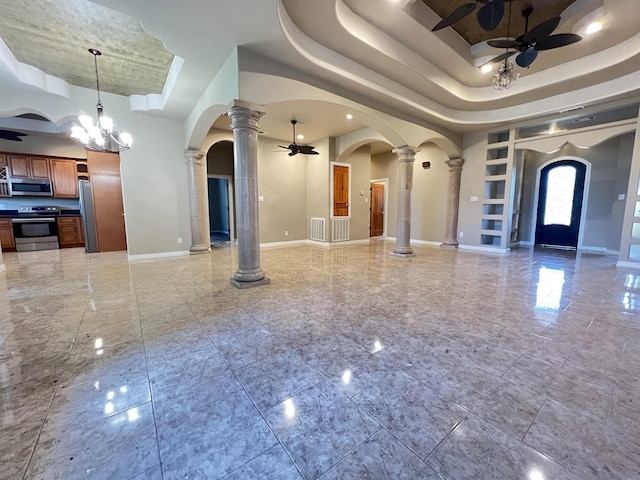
(560, 203)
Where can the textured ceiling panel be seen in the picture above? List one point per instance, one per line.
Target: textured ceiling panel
(469, 29)
(132, 61)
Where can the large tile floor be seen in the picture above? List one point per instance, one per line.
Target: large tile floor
(352, 364)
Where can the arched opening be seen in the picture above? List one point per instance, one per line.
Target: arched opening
(220, 193)
(561, 192)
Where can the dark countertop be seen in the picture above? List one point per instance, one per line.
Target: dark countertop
(67, 212)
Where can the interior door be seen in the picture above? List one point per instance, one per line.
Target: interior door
(377, 210)
(340, 191)
(106, 186)
(560, 203)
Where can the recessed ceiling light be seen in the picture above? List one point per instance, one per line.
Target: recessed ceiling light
(301, 137)
(486, 68)
(349, 116)
(593, 27)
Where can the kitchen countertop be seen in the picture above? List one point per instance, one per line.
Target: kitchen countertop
(70, 212)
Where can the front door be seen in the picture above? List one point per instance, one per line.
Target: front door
(560, 203)
(377, 210)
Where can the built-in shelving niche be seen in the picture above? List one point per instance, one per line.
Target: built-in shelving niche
(493, 221)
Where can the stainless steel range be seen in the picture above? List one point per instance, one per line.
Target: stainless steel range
(35, 228)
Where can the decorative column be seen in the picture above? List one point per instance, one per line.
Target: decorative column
(244, 123)
(455, 172)
(406, 157)
(198, 202)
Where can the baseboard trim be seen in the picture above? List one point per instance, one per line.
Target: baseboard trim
(289, 243)
(491, 250)
(590, 249)
(615, 253)
(315, 243)
(154, 256)
(624, 264)
(428, 243)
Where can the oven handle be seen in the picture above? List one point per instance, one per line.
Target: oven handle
(34, 220)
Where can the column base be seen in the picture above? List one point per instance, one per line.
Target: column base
(195, 249)
(251, 284)
(449, 244)
(399, 254)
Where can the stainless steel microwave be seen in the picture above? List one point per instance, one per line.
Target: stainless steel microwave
(36, 187)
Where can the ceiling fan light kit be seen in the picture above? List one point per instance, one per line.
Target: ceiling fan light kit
(295, 149)
(527, 46)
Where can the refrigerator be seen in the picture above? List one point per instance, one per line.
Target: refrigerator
(88, 216)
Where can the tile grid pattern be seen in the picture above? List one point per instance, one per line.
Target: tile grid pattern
(352, 364)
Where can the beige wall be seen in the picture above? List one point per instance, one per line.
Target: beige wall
(360, 162)
(282, 182)
(430, 193)
(55, 147)
(317, 182)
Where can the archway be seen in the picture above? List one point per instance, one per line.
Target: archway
(220, 193)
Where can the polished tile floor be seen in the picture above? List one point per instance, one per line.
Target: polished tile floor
(352, 364)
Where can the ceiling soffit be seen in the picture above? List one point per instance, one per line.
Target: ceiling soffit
(133, 62)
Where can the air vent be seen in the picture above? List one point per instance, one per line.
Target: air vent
(584, 119)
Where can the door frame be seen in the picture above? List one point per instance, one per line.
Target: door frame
(339, 164)
(585, 197)
(385, 216)
(230, 199)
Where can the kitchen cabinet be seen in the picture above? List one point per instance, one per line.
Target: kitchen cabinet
(64, 178)
(22, 166)
(3, 160)
(70, 232)
(7, 241)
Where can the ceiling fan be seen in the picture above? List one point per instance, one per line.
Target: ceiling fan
(534, 40)
(489, 15)
(11, 135)
(295, 148)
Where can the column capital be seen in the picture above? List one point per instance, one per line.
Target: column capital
(455, 164)
(194, 157)
(244, 114)
(406, 153)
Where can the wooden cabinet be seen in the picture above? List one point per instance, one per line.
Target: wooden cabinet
(4, 181)
(3, 160)
(6, 235)
(64, 178)
(21, 166)
(70, 232)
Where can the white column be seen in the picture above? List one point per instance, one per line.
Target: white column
(244, 123)
(198, 202)
(406, 158)
(453, 203)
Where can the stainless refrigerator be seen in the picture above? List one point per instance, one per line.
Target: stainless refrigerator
(88, 216)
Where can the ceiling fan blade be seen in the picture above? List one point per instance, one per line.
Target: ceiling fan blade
(502, 57)
(293, 152)
(489, 15)
(527, 57)
(541, 31)
(11, 135)
(282, 146)
(307, 150)
(455, 16)
(503, 43)
(558, 40)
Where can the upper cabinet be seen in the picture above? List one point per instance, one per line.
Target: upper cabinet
(21, 166)
(64, 178)
(63, 172)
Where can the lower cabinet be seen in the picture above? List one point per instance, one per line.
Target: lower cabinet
(7, 241)
(70, 232)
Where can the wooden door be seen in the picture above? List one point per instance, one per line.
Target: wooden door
(64, 178)
(19, 167)
(106, 187)
(340, 191)
(7, 241)
(377, 210)
(39, 167)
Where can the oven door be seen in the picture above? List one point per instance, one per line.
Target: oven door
(35, 233)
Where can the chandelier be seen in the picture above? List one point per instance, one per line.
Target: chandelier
(506, 76)
(99, 135)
